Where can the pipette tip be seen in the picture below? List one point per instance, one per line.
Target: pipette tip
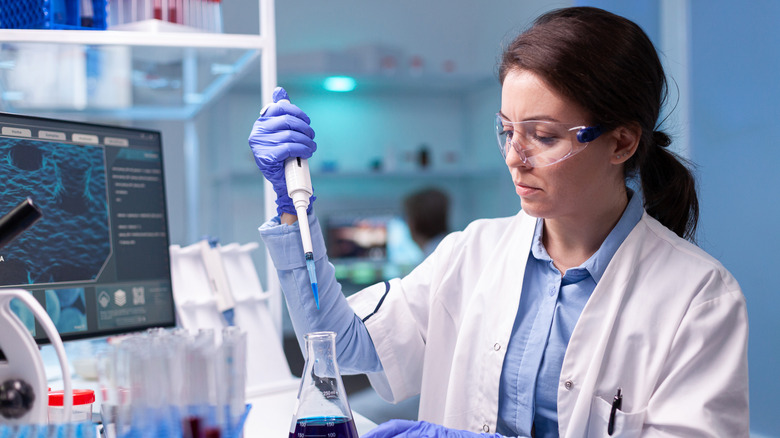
(313, 277)
(229, 315)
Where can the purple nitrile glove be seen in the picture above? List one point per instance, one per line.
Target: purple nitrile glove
(420, 429)
(282, 131)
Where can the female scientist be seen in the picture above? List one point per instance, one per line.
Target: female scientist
(587, 313)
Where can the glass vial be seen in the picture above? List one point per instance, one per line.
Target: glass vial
(322, 409)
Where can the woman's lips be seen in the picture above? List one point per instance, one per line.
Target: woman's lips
(525, 190)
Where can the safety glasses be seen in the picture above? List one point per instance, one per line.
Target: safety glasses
(541, 143)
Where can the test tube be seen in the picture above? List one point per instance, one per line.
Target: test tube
(234, 359)
(122, 372)
(201, 354)
(215, 15)
(160, 369)
(173, 8)
(178, 384)
(147, 11)
(157, 13)
(178, 369)
(87, 14)
(107, 393)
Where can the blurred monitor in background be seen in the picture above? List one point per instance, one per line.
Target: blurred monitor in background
(357, 237)
(370, 246)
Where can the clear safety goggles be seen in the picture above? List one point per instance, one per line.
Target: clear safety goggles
(541, 143)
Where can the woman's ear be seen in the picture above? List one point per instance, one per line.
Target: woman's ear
(626, 142)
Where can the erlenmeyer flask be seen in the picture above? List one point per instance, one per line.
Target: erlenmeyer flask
(322, 408)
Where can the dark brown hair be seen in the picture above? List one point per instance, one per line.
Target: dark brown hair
(609, 67)
(426, 212)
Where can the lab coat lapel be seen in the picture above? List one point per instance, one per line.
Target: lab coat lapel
(503, 283)
(498, 294)
(592, 335)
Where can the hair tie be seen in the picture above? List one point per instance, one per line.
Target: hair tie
(661, 139)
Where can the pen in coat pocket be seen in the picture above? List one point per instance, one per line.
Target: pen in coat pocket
(617, 403)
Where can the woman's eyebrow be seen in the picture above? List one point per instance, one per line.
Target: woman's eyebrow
(540, 118)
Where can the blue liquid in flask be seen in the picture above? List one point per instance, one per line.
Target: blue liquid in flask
(325, 427)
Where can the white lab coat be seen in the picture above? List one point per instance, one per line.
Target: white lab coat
(667, 323)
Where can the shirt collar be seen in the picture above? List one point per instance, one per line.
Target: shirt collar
(597, 263)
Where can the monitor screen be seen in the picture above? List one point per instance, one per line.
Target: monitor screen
(369, 236)
(357, 237)
(97, 260)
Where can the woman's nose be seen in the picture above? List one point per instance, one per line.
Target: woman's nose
(515, 157)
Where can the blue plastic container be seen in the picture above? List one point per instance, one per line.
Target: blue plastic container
(52, 14)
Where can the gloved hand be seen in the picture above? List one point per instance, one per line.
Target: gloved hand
(420, 429)
(282, 131)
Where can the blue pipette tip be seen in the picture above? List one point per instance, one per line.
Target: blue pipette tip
(229, 316)
(312, 277)
(316, 295)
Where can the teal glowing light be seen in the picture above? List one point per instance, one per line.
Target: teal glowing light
(340, 84)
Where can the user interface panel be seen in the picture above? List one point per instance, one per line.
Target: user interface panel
(98, 258)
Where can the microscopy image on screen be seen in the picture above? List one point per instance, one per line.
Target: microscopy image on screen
(68, 183)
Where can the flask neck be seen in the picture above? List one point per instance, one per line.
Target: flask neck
(321, 354)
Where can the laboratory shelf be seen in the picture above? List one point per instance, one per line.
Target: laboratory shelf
(254, 175)
(170, 74)
(183, 38)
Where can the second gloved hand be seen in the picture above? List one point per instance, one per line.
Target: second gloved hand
(282, 131)
(420, 429)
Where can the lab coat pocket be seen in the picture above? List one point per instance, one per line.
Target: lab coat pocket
(627, 424)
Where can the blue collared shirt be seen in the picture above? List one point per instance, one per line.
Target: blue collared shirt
(550, 305)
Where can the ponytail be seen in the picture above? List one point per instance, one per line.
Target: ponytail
(669, 187)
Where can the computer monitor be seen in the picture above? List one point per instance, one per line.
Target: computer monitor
(368, 246)
(357, 237)
(97, 260)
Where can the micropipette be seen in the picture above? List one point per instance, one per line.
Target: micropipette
(298, 178)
